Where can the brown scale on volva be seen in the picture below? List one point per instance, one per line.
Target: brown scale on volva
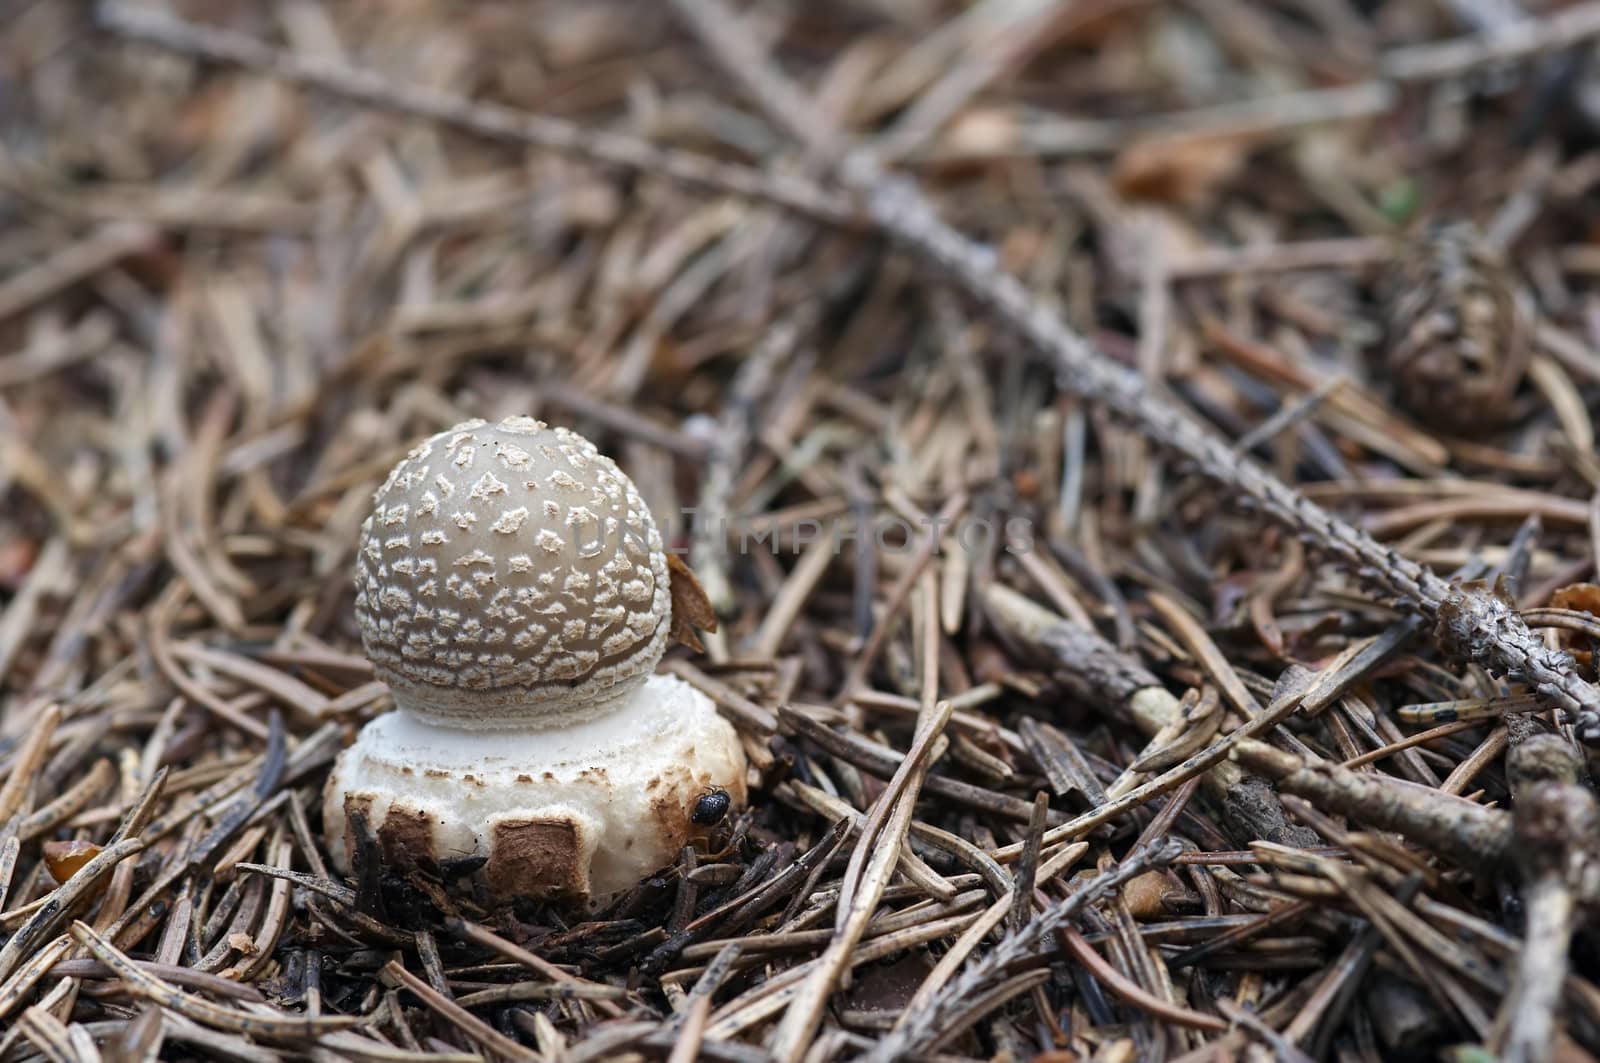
(514, 594)
(537, 858)
(406, 838)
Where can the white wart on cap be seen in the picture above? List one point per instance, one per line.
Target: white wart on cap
(513, 592)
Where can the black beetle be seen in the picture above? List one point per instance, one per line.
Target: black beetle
(711, 807)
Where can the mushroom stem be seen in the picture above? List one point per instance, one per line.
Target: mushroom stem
(588, 809)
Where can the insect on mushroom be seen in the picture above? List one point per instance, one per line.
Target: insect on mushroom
(711, 807)
(513, 592)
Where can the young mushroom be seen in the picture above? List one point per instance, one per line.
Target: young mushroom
(513, 592)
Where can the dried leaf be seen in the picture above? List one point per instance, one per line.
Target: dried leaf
(65, 859)
(982, 131)
(690, 607)
(1584, 597)
(1177, 171)
(1154, 895)
(16, 561)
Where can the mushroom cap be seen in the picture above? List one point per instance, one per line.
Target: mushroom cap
(584, 810)
(510, 574)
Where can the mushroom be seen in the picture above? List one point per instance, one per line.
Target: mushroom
(513, 592)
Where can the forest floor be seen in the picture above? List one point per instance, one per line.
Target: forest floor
(1142, 457)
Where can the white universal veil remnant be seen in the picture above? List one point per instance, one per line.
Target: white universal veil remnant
(513, 592)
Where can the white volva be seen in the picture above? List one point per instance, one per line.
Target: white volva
(513, 593)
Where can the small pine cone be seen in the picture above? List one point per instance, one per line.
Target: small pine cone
(1457, 330)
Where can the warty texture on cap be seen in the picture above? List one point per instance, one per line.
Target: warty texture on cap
(510, 574)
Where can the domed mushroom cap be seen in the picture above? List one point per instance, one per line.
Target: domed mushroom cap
(510, 574)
